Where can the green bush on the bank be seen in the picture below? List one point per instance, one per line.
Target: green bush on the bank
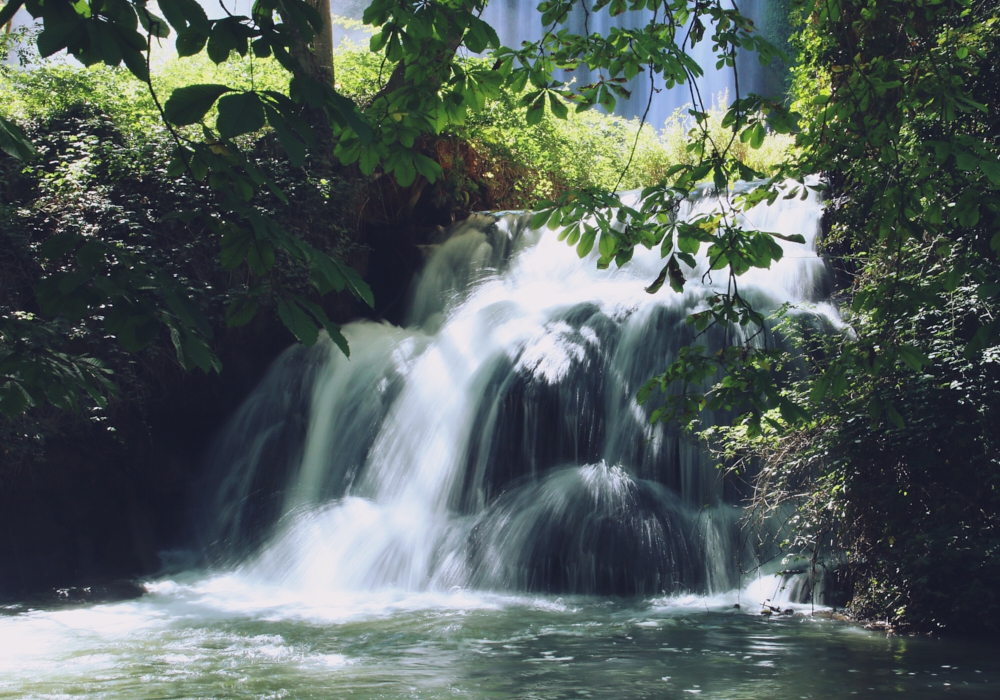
(101, 172)
(896, 478)
(587, 149)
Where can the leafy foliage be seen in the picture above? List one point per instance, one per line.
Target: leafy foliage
(97, 238)
(142, 298)
(428, 91)
(895, 473)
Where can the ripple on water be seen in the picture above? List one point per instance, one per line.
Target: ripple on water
(189, 640)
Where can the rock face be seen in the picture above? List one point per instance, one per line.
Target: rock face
(99, 502)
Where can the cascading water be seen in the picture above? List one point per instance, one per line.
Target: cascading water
(496, 443)
(519, 20)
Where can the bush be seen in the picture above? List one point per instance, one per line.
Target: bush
(911, 511)
(101, 172)
(895, 477)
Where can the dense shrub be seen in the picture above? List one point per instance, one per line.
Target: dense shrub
(909, 513)
(100, 172)
(896, 478)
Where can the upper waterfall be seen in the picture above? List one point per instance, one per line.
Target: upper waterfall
(519, 20)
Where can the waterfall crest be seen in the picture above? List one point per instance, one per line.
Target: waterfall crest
(495, 442)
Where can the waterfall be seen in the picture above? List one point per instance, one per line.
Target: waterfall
(495, 442)
(519, 20)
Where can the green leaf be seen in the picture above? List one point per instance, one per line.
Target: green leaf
(240, 113)
(184, 13)
(719, 179)
(536, 110)
(558, 107)
(307, 90)
(294, 147)
(359, 288)
(791, 412)
(58, 245)
(235, 244)
(156, 26)
(671, 270)
(988, 290)
(608, 245)
(15, 142)
(198, 352)
(132, 326)
(991, 169)
(968, 215)
(91, 255)
(331, 328)
(57, 34)
(241, 311)
(298, 322)
(260, 256)
(687, 243)
(586, 241)
(14, 400)
(676, 276)
(369, 159)
(404, 172)
(307, 12)
(912, 356)
(820, 387)
(894, 416)
(221, 42)
(188, 312)
(190, 42)
(791, 238)
(350, 113)
(427, 167)
(540, 218)
(135, 61)
(189, 105)
(475, 39)
(8, 11)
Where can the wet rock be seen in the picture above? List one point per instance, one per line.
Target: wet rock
(830, 615)
(103, 593)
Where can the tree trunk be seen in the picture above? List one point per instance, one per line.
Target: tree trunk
(315, 59)
(315, 56)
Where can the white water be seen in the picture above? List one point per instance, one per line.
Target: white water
(495, 443)
(519, 20)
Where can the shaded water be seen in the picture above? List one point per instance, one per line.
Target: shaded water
(226, 638)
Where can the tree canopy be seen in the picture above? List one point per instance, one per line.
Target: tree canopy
(896, 111)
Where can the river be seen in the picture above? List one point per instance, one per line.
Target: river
(225, 637)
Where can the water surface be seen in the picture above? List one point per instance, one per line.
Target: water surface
(227, 637)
